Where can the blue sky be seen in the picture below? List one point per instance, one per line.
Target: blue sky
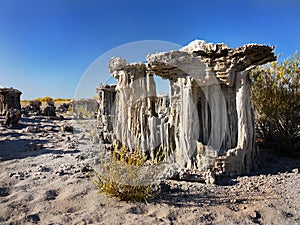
(47, 46)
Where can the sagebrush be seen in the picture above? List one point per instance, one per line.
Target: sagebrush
(276, 101)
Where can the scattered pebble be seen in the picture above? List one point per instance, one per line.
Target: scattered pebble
(34, 218)
(33, 146)
(67, 128)
(4, 191)
(51, 195)
(31, 129)
(48, 128)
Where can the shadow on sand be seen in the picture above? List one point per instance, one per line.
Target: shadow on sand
(207, 195)
(19, 149)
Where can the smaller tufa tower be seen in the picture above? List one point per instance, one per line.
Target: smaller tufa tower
(106, 113)
(9, 99)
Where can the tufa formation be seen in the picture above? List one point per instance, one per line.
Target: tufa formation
(204, 125)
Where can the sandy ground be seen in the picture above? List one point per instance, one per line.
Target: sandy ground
(44, 180)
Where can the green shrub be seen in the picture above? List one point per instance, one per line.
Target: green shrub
(127, 176)
(276, 101)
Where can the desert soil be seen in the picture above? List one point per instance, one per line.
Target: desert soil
(44, 180)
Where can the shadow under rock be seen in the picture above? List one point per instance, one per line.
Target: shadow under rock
(19, 149)
(25, 122)
(272, 164)
(12, 134)
(205, 196)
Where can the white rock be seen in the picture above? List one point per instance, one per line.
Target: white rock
(32, 129)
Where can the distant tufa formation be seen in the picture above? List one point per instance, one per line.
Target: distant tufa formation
(84, 108)
(10, 106)
(204, 126)
(9, 99)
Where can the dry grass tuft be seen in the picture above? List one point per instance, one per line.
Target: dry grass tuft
(128, 176)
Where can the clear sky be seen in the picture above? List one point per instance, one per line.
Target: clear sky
(46, 46)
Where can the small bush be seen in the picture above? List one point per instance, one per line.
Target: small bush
(276, 100)
(127, 176)
(45, 99)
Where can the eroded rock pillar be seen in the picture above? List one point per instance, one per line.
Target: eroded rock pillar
(135, 121)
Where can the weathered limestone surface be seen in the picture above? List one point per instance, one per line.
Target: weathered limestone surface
(9, 99)
(206, 124)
